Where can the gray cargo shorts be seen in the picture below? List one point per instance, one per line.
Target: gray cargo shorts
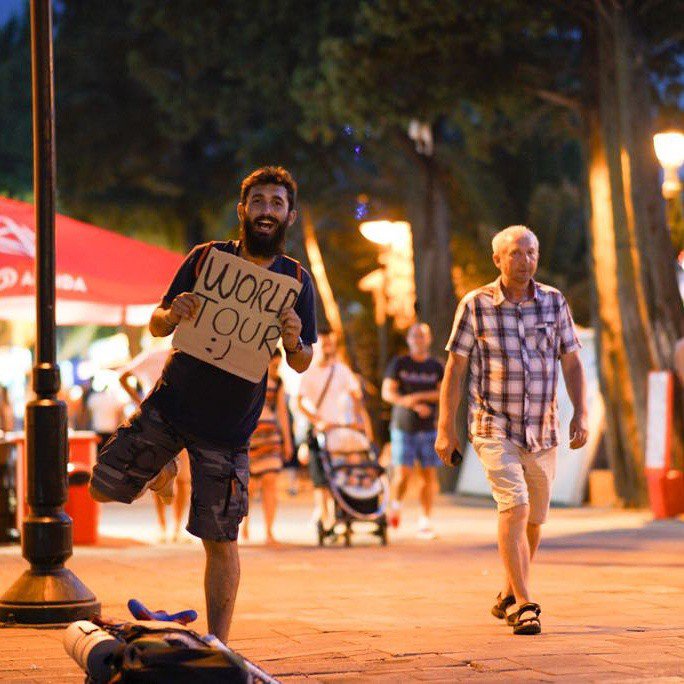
(146, 442)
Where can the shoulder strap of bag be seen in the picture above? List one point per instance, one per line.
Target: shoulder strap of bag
(296, 264)
(326, 386)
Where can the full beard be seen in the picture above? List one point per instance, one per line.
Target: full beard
(265, 246)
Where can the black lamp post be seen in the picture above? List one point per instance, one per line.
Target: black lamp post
(47, 593)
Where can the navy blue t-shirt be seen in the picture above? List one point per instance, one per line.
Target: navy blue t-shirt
(414, 376)
(207, 402)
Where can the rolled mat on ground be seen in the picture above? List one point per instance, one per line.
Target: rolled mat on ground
(155, 651)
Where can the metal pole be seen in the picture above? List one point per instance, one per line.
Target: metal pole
(47, 593)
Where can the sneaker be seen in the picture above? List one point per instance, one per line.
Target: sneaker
(425, 530)
(162, 483)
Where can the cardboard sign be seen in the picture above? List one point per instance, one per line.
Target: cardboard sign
(237, 327)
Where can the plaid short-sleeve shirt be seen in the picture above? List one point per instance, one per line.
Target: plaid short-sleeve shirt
(514, 351)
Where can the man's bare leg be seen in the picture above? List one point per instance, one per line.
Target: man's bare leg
(400, 483)
(221, 580)
(428, 489)
(514, 549)
(400, 480)
(533, 539)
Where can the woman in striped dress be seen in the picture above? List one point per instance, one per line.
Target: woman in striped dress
(270, 446)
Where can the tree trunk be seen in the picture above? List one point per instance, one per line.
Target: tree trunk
(429, 215)
(640, 314)
(320, 276)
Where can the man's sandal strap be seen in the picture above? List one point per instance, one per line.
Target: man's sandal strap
(527, 618)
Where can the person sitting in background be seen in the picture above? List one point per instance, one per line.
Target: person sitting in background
(270, 445)
(145, 369)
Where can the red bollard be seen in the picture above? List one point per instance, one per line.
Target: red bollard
(665, 483)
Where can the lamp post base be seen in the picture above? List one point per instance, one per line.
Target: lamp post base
(56, 597)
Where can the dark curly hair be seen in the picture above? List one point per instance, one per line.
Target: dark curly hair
(273, 175)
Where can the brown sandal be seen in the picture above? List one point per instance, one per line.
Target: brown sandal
(502, 603)
(526, 619)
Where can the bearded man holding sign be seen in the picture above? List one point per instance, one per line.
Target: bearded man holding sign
(199, 404)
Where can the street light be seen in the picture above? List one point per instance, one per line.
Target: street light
(47, 593)
(669, 148)
(386, 233)
(393, 284)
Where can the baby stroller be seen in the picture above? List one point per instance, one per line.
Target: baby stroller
(357, 482)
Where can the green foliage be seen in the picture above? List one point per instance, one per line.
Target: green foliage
(502, 83)
(163, 110)
(163, 107)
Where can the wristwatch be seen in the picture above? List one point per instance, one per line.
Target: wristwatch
(298, 347)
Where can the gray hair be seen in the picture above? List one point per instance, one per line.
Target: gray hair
(511, 233)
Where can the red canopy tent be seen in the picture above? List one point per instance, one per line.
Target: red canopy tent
(102, 277)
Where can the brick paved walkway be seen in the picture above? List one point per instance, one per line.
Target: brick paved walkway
(611, 585)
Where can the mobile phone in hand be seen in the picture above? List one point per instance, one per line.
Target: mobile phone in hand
(456, 457)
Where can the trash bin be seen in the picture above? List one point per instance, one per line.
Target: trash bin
(8, 492)
(80, 506)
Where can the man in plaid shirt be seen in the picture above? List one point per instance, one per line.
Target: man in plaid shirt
(511, 334)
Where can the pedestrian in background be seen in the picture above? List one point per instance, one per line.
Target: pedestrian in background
(106, 411)
(511, 334)
(270, 446)
(330, 397)
(144, 370)
(411, 386)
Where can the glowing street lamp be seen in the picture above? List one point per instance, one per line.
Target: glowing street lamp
(396, 258)
(393, 285)
(386, 232)
(669, 148)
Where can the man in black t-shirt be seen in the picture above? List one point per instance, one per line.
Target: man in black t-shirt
(411, 385)
(211, 412)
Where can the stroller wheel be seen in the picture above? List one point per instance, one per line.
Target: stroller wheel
(382, 532)
(347, 536)
(321, 532)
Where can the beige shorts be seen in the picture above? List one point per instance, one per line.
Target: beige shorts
(517, 476)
